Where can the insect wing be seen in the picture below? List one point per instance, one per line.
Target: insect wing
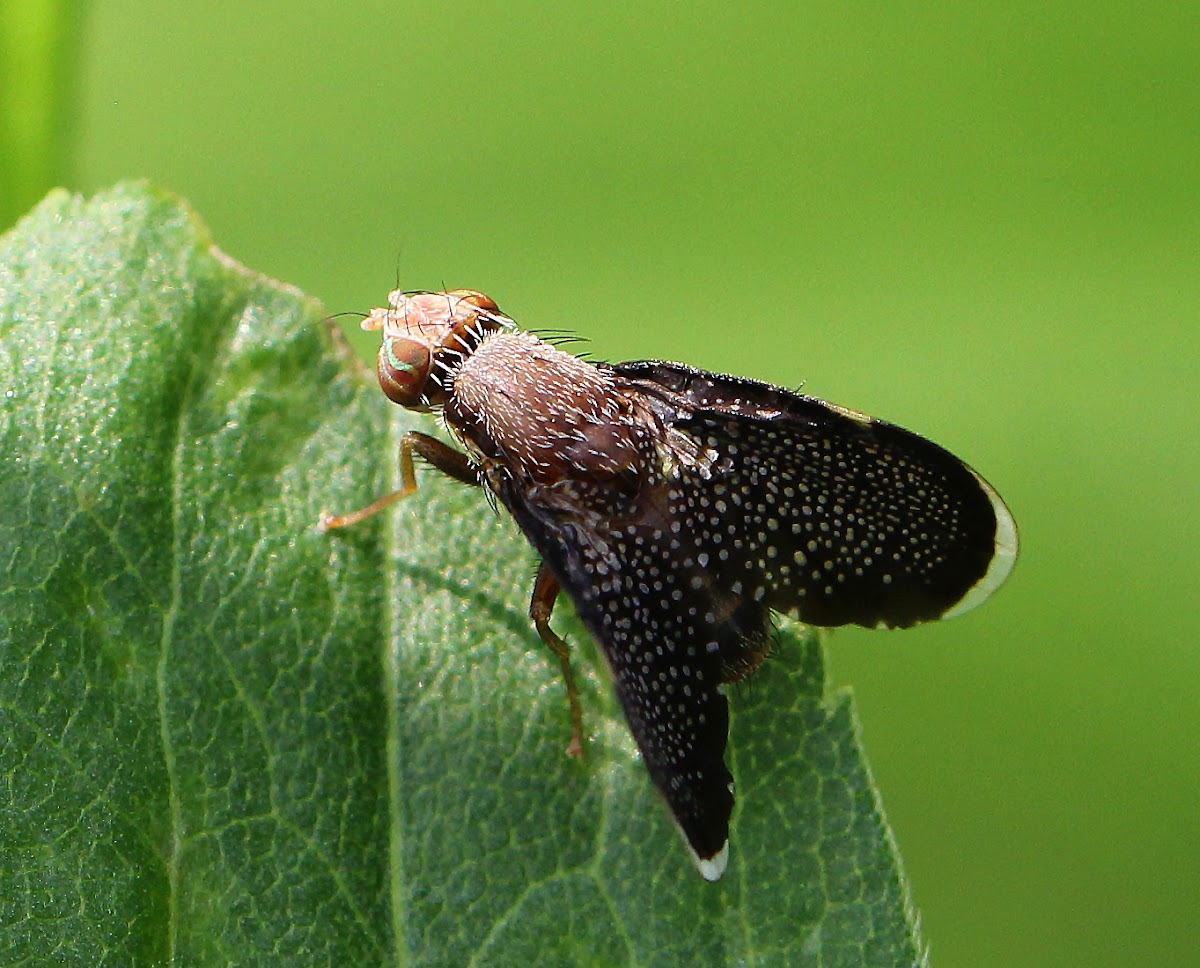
(830, 514)
(647, 601)
(760, 499)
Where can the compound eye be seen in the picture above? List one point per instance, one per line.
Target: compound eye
(403, 370)
(473, 297)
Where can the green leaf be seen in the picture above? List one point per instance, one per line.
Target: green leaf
(230, 739)
(39, 66)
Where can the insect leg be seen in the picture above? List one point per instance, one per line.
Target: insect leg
(442, 456)
(545, 591)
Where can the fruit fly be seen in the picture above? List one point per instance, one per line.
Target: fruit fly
(678, 508)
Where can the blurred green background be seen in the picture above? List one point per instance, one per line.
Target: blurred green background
(979, 221)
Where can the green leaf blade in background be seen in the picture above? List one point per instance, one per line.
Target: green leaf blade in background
(231, 739)
(39, 66)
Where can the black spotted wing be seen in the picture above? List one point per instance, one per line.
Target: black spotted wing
(830, 514)
(640, 588)
(749, 498)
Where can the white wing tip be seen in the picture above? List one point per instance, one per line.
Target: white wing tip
(713, 867)
(1003, 559)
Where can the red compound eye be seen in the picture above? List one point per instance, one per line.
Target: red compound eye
(475, 298)
(403, 370)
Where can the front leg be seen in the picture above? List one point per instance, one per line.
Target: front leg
(545, 592)
(445, 458)
(457, 465)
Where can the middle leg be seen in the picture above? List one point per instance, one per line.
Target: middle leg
(545, 592)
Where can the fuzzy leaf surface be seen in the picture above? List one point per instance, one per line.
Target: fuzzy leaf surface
(228, 738)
